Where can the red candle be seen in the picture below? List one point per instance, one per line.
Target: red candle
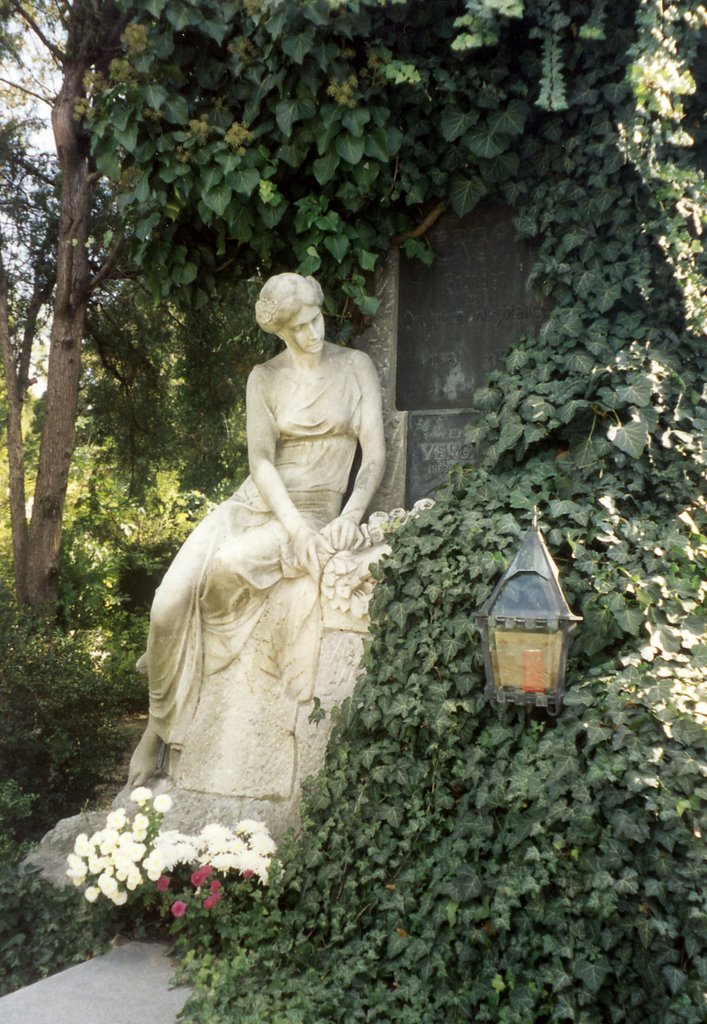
(533, 671)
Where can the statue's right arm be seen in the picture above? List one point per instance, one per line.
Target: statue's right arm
(262, 435)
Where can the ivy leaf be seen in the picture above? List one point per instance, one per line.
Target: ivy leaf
(290, 110)
(675, 978)
(297, 47)
(155, 95)
(376, 144)
(454, 122)
(176, 109)
(465, 193)
(325, 167)
(511, 120)
(638, 392)
(608, 296)
(127, 137)
(217, 199)
(349, 148)
(631, 438)
(245, 180)
(356, 120)
(592, 974)
(338, 246)
(483, 142)
(502, 167)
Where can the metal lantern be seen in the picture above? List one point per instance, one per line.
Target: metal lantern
(525, 628)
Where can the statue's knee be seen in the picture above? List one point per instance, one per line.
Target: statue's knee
(225, 565)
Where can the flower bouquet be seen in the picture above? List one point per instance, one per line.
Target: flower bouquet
(191, 880)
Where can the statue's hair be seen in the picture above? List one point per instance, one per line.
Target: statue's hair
(282, 296)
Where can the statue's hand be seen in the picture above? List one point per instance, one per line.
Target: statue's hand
(343, 534)
(307, 545)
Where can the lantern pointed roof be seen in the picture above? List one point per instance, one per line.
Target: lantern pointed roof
(532, 560)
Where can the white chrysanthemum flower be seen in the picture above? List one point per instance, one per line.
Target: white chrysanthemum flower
(82, 845)
(120, 898)
(226, 862)
(141, 795)
(250, 827)
(250, 861)
(109, 840)
(96, 864)
(133, 880)
(77, 865)
(108, 885)
(214, 836)
(141, 823)
(153, 872)
(116, 819)
(262, 844)
(162, 803)
(92, 894)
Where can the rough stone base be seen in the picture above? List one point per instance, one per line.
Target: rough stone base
(339, 658)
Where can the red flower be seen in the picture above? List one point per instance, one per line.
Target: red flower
(248, 873)
(211, 901)
(200, 876)
(215, 885)
(179, 908)
(163, 883)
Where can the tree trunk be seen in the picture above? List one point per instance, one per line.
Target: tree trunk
(15, 447)
(71, 297)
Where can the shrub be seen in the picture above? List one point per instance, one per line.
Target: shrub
(43, 929)
(59, 742)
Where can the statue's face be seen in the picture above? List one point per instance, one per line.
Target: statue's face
(305, 331)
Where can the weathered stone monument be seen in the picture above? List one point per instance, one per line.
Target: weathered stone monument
(261, 618)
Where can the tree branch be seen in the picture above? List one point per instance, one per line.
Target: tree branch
(108, 264)
(28, 92)
(55, 51)
(423, 227)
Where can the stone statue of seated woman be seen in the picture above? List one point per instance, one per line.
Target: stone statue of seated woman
(236, 623)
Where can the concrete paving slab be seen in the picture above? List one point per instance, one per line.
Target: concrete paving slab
(128, 985)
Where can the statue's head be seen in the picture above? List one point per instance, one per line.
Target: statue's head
(281, 299)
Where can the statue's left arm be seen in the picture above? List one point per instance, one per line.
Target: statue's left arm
(343, 533)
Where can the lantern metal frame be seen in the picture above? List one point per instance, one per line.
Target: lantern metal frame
(525, 627)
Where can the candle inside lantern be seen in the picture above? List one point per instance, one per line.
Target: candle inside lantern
(533, 671)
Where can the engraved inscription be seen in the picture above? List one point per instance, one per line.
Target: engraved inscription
(436, 442)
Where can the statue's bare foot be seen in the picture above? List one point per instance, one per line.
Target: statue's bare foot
(143, 763)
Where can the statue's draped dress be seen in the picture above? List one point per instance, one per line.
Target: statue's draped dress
(218, 585)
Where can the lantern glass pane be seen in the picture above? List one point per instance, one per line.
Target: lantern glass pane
(525, 596)
(526, 661)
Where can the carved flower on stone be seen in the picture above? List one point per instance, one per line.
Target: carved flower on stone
(348, 585)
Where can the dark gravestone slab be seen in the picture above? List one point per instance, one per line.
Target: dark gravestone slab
(456, 319)
(435, 441)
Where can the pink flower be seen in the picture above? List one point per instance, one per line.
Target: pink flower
(179, 908)
(211, 901)
(163, 883)
(248, 873)
(200, 876)
(215, 885)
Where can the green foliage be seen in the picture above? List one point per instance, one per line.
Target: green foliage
(293, 135)
(307, 136)
(59, 741)
(165, 386)
(43, 929)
